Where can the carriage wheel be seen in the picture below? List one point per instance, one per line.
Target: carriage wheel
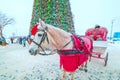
(106, 59)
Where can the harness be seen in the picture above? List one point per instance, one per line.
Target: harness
(44, 36)
(75, 49)
(78, 45)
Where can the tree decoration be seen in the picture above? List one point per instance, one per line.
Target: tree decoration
(54, 12)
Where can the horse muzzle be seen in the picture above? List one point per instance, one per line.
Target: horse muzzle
(33, 51)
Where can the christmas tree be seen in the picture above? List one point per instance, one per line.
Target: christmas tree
(54, 12)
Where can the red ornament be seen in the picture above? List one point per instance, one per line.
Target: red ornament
(34, 29)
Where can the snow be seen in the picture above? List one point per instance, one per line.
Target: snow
(17, 64)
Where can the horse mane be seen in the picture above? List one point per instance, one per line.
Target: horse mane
(58, 36)
(61, 32)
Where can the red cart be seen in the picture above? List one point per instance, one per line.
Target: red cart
(99, 37)
(100, 50)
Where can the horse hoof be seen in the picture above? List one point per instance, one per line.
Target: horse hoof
(62, 78)
(85, 70)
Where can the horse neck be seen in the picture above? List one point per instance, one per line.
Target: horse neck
(59, 37)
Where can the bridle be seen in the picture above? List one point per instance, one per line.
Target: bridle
(45, 36)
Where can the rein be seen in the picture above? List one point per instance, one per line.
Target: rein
(43, 39)
(75, 50)
(60, 51)
(54, 49)
(66, 44)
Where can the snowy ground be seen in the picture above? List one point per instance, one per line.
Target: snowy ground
(17, 64)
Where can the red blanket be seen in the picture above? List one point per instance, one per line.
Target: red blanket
(71, 62)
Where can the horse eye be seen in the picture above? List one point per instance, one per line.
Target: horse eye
(39, 35)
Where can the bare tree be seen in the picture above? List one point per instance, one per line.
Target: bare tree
(4, 21)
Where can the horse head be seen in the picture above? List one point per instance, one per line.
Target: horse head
(48, 35)
(39, 38)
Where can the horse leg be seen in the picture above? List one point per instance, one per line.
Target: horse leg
(85, 68)
(86, 65)
(64, 75)
(81, 67)
(72, 76)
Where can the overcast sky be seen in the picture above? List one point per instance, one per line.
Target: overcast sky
(87, 13)
(21, 11)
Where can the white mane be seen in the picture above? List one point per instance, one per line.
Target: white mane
(59, 30)
(58, 36)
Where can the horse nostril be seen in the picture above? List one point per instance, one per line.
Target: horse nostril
(33, 51)
(29, 51)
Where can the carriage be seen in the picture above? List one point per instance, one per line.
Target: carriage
(100, 43)
(73, 50)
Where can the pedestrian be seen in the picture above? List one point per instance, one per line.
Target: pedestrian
(11, 39)
(3, 41)
(24, 42)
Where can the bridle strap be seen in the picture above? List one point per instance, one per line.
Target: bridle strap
(43, 38)
(46, 28)
(36, 43)
(39, 46)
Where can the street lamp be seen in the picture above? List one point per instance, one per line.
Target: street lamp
(111, 29)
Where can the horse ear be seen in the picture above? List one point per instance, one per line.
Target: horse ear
(42, 23)
(40, 20)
